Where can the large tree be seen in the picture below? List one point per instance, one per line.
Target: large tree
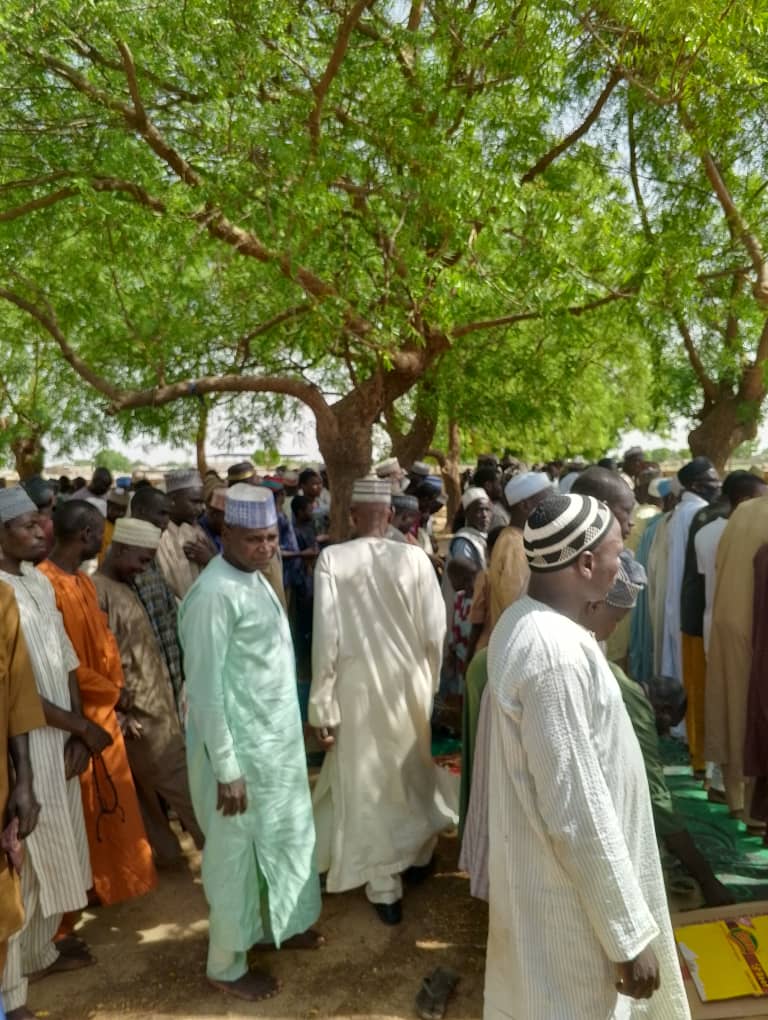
(692, 125)
(314, 200)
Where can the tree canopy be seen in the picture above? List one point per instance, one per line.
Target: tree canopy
(510, 203)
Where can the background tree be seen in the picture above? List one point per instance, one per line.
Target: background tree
(114, 461)
(303, 200)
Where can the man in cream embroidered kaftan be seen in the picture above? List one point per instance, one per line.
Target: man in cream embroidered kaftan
(379, 624)
(575, 880)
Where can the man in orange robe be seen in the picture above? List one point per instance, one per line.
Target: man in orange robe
(121, 857)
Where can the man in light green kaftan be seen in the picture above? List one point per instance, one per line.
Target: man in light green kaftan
(245, 752)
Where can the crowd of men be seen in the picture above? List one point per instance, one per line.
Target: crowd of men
(155, 637)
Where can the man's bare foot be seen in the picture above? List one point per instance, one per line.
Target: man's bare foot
(309, 939)
(253, 986)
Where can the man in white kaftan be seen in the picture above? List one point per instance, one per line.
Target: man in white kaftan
(379, 623)
(56, 872)
(185, 549)
(701, 484)
(577, 901)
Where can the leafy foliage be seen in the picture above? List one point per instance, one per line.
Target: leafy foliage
(509, 203)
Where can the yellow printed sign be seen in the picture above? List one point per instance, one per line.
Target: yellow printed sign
(727, 959)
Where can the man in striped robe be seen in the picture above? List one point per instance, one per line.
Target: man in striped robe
(56, 873)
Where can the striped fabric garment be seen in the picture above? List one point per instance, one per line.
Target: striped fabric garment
(58, 847)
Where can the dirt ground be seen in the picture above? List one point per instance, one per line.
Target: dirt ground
(151, 957)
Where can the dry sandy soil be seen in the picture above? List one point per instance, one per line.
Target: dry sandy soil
(151, 958)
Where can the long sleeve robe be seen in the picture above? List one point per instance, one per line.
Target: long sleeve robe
(679, 527)
(244, 722)
(379, 624)
(58, 846)
(575, 879)
(121, 857)
(730, 644)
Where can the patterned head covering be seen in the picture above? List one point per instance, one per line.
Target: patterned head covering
(472, 495)
(561, 528)
(176, 481)
(131, 531)
(630, 581)
(525, 485)
(14, 502)
(250, 506)
(372, 490)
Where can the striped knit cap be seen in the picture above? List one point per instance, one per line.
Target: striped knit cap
(630, 581)
(561, 528)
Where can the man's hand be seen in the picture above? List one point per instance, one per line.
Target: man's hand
(95, 738)
(125, 701)
(639, 978)
(716, 894)
(22, 804)
(131, 727)
(325, 738)
(76, 757)
(232, 798)
(198, 551)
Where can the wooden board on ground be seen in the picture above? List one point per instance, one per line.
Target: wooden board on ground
(733, 1009)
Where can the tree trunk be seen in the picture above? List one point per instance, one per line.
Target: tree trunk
(412, 445)
(724, 426)
(345, 441)
(200, 438)
(450, 470)
(29, 455)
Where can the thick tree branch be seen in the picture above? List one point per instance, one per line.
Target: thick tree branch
(133, 85)
(212, 219)
(570, 139)
(709, 387)
(635, 177)
(510, 320)
(321, 88)
(90, 52)
(244, 343)
(15, 212)
(157, 396)
(736, 222)
(137, 193)
(47, 319)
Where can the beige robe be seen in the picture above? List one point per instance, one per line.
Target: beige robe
(180, 573)
(657, 588)
(379, 623)
(730, 643)
(158, 758)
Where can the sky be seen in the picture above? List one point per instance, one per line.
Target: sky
(298, 443)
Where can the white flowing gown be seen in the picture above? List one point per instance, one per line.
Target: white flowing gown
(575, 878)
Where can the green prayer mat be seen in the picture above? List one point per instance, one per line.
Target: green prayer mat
(739, 860)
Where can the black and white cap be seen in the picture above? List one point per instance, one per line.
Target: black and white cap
(561, 528)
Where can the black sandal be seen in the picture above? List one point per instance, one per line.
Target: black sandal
(436, 989)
